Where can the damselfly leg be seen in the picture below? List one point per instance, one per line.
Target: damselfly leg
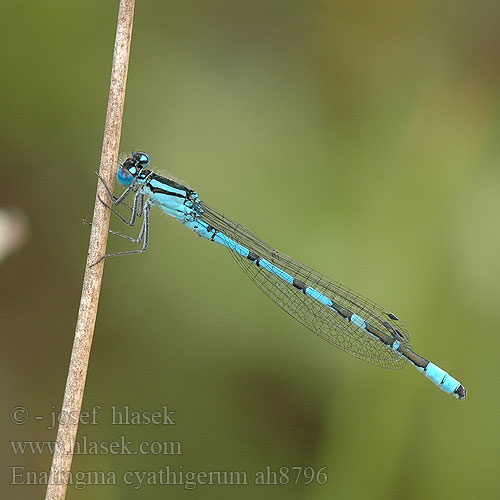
(139, 209)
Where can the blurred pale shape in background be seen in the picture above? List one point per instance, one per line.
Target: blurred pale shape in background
(13, 231)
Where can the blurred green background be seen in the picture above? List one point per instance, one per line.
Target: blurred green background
(360, 138)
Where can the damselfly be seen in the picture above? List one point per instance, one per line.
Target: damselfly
(332, 311)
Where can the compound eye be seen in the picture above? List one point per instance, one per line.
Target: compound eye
(124, 176)
(142, 158)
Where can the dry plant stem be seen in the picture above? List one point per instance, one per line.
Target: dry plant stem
(75, 384)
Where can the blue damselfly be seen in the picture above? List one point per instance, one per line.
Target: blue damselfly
(334, 312)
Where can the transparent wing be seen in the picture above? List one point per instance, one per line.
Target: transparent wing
(323, 321)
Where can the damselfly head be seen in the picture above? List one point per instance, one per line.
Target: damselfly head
(141, 158)
(131, 167)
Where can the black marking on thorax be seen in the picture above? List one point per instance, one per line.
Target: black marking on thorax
(168, 182)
